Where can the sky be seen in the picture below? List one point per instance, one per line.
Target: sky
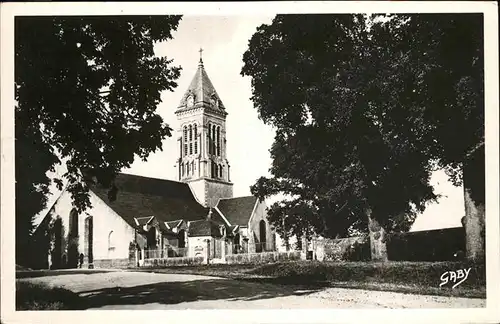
(224, 40)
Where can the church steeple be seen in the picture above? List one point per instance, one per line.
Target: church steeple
(201, 93)
(202, 140)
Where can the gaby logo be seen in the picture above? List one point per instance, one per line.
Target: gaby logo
(456, 277)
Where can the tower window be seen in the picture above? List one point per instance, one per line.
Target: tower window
(185, 134)
(195, 139)
(209, 139)
(182, 168)
(220, 171)
(185, 149)
(213, 140)
(190, 133)
(218, 141)
(190, 148)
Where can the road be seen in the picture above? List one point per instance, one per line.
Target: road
(139, 290)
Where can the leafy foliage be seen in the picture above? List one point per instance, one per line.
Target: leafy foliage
(87, 89)
(364, 113)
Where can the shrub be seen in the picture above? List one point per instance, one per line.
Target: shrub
(31, 296)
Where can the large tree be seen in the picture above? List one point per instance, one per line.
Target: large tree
(87, 89)
(356, 116)
(445, 61)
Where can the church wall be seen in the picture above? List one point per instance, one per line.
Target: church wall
(105, 220)
(62, 209)
(216, 190)
(198, 189)
(254, 227)
(208, 192)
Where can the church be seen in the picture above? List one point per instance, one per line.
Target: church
(194, 216)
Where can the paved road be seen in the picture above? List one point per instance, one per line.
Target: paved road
(139, 290)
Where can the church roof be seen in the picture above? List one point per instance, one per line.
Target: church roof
(139, 197)
(204, 227)
(203, 91)
(237, 210)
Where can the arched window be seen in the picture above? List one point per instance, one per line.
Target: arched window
(220, 171)
(111, 242)
(213, 140)
(188, 168)
(190, 133)
(183, 169)
(73, 223)
(195, 139)
(218, 141)
(209, 141)
(185, 141)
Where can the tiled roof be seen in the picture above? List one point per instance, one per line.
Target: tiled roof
(144, 197)
(203, 90)
(237, 210)
(204, 228)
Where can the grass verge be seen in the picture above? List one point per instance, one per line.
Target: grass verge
(35, 296)
(406, 277)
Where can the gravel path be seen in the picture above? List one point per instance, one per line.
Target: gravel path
(139, 290)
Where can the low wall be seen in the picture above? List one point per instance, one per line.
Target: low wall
(168, 262)
(113, 263)
(355, 248)
(434, 245)
(264, 257)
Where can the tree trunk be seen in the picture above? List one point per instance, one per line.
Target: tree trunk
(474, 200)
(378, 244)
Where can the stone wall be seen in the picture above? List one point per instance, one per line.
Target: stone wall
(168, 262)
(104, 222)
(344, 249)
(265, 257)
(113, 264)
(214, 190)
(254, 229)
(208, 191)
(434, 245)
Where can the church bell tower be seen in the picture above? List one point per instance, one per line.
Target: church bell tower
(202, 159)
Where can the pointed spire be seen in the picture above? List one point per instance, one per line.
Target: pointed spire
(201, 91)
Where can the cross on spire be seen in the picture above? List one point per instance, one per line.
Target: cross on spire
(201, 52)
